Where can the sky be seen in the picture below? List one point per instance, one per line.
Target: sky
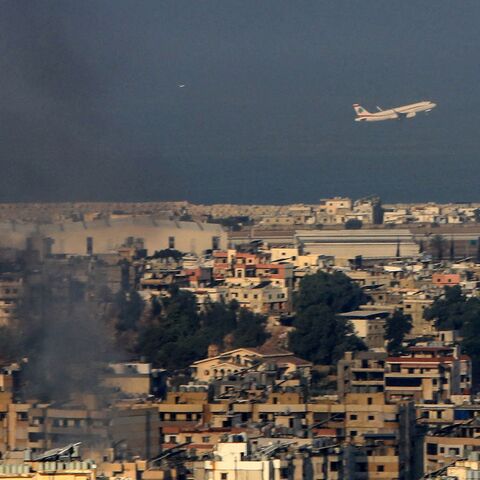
(91, 108)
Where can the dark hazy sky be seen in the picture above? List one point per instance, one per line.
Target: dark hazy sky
(90, 107)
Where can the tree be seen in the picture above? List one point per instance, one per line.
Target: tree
(448, 312)
(353, 224)
(455, 311)
(167, 341)
(168, 254)
(322, 337)
(178, 335)
(335, 291)
(130, 308)
(398, 325)
(250, 329)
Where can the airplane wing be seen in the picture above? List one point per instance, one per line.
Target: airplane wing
(379, 109)
(404, 114)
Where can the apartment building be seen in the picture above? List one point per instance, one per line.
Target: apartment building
(425, 379)
(361, 372)
(11, 290)
(39, 427)
(454, 443)
(369, 325)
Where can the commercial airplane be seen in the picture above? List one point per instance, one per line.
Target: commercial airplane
(405, 111)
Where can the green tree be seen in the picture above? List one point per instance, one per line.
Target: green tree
(335, 291)
(448, 311)
(398, 325)
(322, 337)
(250, 329)
(217, 320)
(166, 341)
(129, 305)
(168, 254)
(353, 224)
(179, 335)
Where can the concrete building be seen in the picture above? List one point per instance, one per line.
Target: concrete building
(106, 433)
(233, 461)
(423, 379)
(367, 243)
(241, 359)
(444, 449)
(361, 372)
(369, 325)
(11, 290)
(108, 235)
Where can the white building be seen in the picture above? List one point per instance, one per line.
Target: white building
(233, 461)
(106, 236)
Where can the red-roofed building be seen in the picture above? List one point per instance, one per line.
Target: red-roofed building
(428, 373)
(240, 359)
(446, 279)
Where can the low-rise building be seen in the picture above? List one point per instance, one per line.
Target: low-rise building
(369, 325)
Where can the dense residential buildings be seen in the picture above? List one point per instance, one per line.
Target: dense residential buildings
(239, 401)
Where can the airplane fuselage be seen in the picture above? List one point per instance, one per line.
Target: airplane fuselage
(404, 111)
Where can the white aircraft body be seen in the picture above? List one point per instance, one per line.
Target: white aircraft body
(405, 111)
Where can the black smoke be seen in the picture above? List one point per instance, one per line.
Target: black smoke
(66, 339)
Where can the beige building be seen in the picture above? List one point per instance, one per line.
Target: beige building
(11, 289)
(40, 427)
(241, 359)
(465, 469)
(368, 243)
(75, 470)
(369, 325)
(415, 304)
(106, 236)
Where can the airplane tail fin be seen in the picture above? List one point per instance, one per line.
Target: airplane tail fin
(359, 110)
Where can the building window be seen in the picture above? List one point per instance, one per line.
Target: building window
(224, 476)
(205, 439)
(215, 243)
(369, 400)
(89, 245)
(380, 468)
(353, 417)
(334, 466)
(171, 242)
(371, 417)
(432, 449)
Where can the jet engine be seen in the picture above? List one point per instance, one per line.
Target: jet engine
(411, 114)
